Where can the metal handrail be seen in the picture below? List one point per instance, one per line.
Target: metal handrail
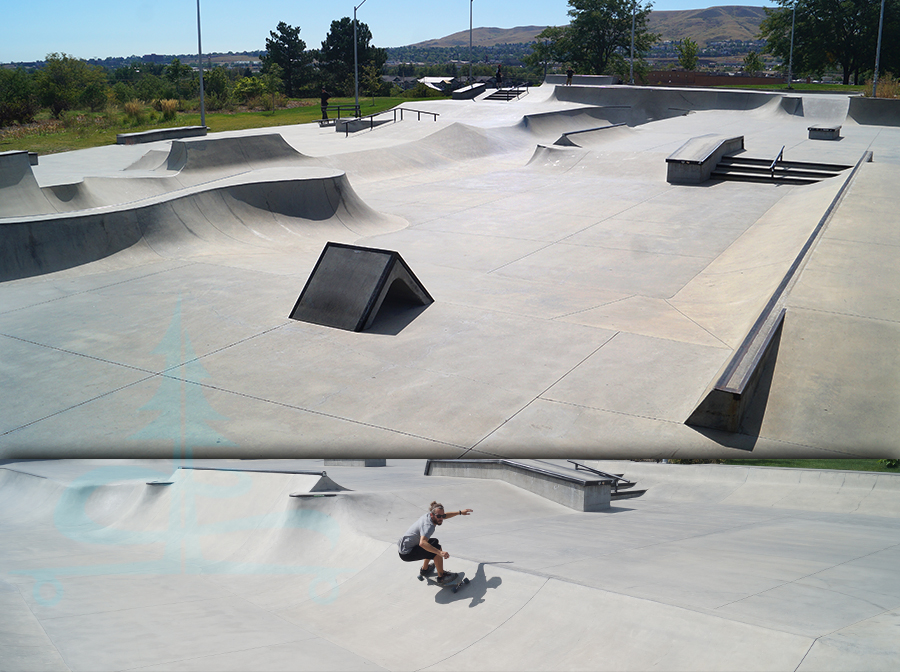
(615, 478)
(777, 160)
(371, 117)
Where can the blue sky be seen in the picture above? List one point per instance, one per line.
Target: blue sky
(99, 28)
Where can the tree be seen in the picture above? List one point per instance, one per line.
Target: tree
(286, 50)
(831, 34)
(688, 51)
(552, 45)
(18, 101)
(752, 63)
(337, 54)
(599, 34)
(66, 83)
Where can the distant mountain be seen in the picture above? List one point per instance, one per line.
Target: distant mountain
(486, 37)
(716, 24)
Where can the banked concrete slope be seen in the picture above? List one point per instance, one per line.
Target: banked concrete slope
(229, 571)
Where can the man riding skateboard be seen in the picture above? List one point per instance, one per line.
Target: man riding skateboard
(418, 544)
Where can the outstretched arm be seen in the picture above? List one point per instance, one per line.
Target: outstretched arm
(461, 512)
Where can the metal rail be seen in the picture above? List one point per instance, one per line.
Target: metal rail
(777, 160)
(615, 478)
(371, 117)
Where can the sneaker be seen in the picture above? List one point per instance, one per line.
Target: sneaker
(447, 577)
(427, 572)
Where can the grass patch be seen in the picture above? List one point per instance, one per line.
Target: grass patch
(798, 86)
(842, 465)
(82, 130)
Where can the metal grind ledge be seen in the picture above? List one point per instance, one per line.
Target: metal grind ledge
(576, 493)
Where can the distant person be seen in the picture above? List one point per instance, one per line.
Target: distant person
(499, 77)
(418, 544)
(569, 74)
(325, 97)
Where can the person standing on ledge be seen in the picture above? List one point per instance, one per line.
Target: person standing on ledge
(499, 76)
(569, 74)
(418, 544)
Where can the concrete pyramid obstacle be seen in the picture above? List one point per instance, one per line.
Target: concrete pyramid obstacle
(349, 285)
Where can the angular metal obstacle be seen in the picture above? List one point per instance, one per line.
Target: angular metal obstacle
(349, 285)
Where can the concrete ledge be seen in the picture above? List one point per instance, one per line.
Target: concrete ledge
(32, 156)
(726, 406)
(575, 493)
(469, 92)
(583, 80)
(160, 134)
(824, 133)
(693, 162)
(355, 463)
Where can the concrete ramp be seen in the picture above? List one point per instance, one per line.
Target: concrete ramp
(874, 111)
(266, 211)
(20, 194)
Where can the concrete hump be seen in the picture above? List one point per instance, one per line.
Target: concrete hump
(349, 285)
(216, 154)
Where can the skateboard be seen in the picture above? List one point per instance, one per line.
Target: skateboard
(456, 584)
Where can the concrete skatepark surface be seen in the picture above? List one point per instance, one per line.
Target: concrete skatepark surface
(583, 305)
(715, 567)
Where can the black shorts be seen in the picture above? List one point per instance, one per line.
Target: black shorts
(419, 553)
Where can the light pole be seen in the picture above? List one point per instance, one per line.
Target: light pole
(791, 59)
(878, 53)
(470, 40)
(355, 57)
(200, 68)
(631, 65)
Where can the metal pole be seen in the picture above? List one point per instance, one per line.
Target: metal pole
(631, 65)
(791, 60)
(200, 67)
(470, 40)
(355, 57)
(878, 53)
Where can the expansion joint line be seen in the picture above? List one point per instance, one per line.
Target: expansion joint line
(492, 631)
(539, 395)
(811, 645)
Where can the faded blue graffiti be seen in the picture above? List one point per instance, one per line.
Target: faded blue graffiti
(182, 417)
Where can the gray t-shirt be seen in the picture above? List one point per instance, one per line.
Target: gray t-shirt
(423, 527)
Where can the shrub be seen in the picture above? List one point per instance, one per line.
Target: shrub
(134, 111)
(168, 107)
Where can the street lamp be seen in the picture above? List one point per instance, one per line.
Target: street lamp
(355, 57)
(878, 53)
(470, 40)
(200, 68)
(631, 65)
(791, 60)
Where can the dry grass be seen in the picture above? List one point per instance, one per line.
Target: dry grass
(888, 86)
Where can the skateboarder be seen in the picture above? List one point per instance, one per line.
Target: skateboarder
(418, 544)
(569, 74)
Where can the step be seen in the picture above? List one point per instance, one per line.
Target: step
(808, 165)
(779, 171)
(764, 179)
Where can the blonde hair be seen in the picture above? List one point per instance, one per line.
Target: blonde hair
(434, 506)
